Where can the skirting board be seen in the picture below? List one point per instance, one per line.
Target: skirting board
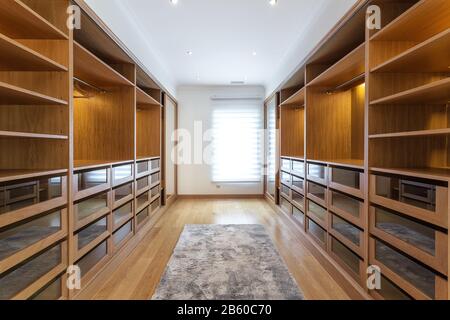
(221, 196)
(350, 286)
(90, 289)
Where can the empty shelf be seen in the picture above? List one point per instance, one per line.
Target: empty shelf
(142, 98)
(297, 98)
(411, 133)
(442, 174)
(12, 95)
(19, 174)
(30, 135)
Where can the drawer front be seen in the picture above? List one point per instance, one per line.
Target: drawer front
(285, 205)
(346, 206)
(142, 167)
(93, 179)
(122, 193)
(317, 232)
(122, 233)
(285, 178)
(286, 164)
(421, 241)
(346, 258)
(155, 164)
(409, 272)
(298, 199)
(422, 199)
(285, 191)
(92, 206)
(142, 184)
(29, 272)
(390, 291)
(19, 196)
(124, 212)
(317, 212)
(347, 233)
(155, 178)
(298, 184)
(143, 199)
(52, 291)
(317, 172)
(92, 259)
(155, 191)
(317, 192)
(298, 215)
(90, 233)
(142, 216)
(156, 204)
(122, 173)
(298, 168)
(347, 180)
(20, 236)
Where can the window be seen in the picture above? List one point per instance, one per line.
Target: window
(237, 139)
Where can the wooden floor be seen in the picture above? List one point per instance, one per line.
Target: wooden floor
(139, 275)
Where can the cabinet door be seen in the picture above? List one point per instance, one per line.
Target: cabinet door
(271, 119)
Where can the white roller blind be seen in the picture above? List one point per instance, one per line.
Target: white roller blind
(237, 141)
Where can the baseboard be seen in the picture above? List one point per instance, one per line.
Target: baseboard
(221, 196)
(352, 288)
(91, 288)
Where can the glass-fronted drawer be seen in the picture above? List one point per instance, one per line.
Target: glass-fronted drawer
(298, 215)
(348, 231)
(155, 191)
(285, 164)
(142, 167)
(122, 233)
(318, 192)
(155, 205)
(19, 236)
(15, 196)
(91, 232)
(123, 192)
(318, 233)
(155, 164)
(86, 180)
(317, 211)
(285, 191)
(122, 213)
(406, 269)
(13, 282)
(298, 184)
(346, 257)
(285, 178)
(142, 216)
(285, 205)
(142, 184)
(390, 291)
(347, 180)
(93, 258)
(298, 168)
(52, 291)
(347, 206)
(317, 172)
(298, 199)
(122, 173)
(143, 199)
(90, 206)
(155, 178)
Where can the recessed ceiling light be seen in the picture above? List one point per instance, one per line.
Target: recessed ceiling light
(174, 2)
(189, 53)
(273, 2)
(254, 53)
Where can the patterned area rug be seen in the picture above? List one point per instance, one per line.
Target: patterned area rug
(226, 262)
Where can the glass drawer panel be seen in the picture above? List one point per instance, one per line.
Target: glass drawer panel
(298, 198)
(316, 170)
(298, 167)
(90, 179)
(419, 276)
(142, 167)
(286, 164)
(389, 291)
(414, 233)
(347, 256)
(11, 283)
(17, 196)
(285, 190)
(20, 236)
(92, 232)
(123, 172)
(50, 292)
(123, 191)
(154, 178)
(123, 211)
(155, 164)
(316, 190)
(142, 199)
(346, 203)
(285, 205)
(346, 177)
(141, 216)
(155, 191)
(298, 182)
(346, 229)
(91, 259)
(414, 193)
(317, 231)
(122, 233)
(285, 178)
(298, 215)
(155, 204)
(92, 205)
(317, 211)
(142, 183)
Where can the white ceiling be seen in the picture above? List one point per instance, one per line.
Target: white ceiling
(222, 35)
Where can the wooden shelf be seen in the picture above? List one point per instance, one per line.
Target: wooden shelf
(13, 134)
(17, 57)
(350, 163)
(19, 174)
(429, 56)
(411, 25)
(21, 22)
(142, 98)
(434, 93)
(418, 133)
(91, 164)
(12, 95)
(346, 69)
(442, 174)
(297, 99)
(92, 70)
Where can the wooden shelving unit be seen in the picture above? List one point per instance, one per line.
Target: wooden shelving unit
(83, 205)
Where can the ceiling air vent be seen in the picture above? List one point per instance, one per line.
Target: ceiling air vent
(236, 83)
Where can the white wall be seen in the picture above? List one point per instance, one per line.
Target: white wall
(194, 104)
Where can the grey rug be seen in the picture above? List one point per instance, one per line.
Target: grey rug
(226, 262)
